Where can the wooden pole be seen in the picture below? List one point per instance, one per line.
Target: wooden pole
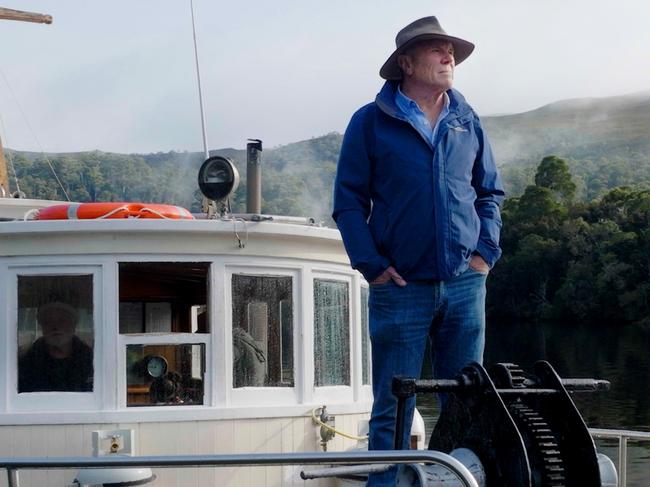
(19, 15)
(9, 14)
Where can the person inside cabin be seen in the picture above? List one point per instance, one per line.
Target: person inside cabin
(58, 360)
(416, 199)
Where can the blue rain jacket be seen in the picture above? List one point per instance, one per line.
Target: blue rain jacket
(422, 208)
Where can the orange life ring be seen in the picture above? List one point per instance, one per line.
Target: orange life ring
(91, 211)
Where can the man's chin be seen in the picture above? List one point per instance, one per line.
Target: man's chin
(58, 342)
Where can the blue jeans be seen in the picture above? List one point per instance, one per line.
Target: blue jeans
(450, 313)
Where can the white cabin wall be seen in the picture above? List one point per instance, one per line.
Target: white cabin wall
(273, 435)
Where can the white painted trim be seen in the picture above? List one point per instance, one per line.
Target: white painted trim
(121, 374)
(365, 393)
(226, 350)
(365, 390)
(46, 261)
(167, 226)
(298, 335)
(333, 394)
(179, 413)
(263, 396)
(307, 334)
(219, 334)
(110, 330)
(363, 284)
(164, 338)
(4, 332)
(355, 336)
(99, 348)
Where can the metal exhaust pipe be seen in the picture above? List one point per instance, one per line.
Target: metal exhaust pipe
(254, 176)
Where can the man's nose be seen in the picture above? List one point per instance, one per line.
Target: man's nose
(448, 58)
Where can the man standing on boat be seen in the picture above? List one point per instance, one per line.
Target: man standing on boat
(416, 199)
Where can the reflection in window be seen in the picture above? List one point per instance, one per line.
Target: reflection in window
(365, 339)
(262, 331)
(55, 333)
(163, 297)
(165, 375)
(331, 333)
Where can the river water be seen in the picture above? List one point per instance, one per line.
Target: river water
(619, 354)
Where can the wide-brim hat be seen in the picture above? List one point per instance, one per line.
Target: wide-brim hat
(422, 30)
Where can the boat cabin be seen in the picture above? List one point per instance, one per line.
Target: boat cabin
(202, 336)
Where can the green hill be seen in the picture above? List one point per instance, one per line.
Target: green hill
(606, 142)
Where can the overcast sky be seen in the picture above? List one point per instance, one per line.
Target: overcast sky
(119, 75)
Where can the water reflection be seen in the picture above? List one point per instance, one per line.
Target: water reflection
(617, 354)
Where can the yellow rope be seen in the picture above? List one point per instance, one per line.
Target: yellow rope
(327, 426)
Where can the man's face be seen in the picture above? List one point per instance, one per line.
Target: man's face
(431, 64)
(58, 327)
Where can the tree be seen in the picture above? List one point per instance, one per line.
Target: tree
(553, 173)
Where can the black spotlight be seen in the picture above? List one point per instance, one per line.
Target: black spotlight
(218, 178)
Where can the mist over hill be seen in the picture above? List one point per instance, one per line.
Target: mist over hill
(606, 142)
(578, 129)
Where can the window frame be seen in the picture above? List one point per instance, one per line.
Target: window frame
(171, 338)
(262, 396)
(163, 339)
(364, 390)
(336, 393)
(54, 401)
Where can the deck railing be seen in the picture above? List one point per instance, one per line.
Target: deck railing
(14, 465)
(622, 436)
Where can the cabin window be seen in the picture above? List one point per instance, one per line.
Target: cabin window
(262, 331)
(331, 333)
(365, 338)
(163, 321)
(163, 297)
(165, 374)
(55, 333)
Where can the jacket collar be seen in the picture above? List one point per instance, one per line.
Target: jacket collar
(385, 100)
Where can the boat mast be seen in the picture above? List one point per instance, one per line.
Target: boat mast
(198, 80)
(4, 177)
(19, 15)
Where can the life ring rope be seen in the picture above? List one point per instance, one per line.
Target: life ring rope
(102, 211)
(113, 212)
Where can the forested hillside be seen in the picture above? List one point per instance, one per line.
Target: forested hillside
(297, 178)
(606, 143)
(572, 261)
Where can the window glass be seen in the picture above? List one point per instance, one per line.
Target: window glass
(165, 375)
(331, 333)
(163, 297)
(365, 338)
(262, 331)
(55, 333)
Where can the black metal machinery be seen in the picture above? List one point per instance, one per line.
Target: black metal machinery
(524, 428)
